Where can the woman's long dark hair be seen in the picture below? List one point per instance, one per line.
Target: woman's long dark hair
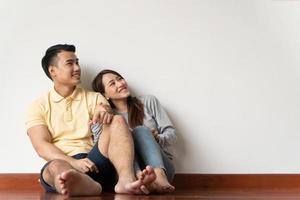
(134, 105)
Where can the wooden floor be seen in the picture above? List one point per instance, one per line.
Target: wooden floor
(219, 187)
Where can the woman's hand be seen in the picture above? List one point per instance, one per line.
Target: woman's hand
(84, 165)
(155, 134)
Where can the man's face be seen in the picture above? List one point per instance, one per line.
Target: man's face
(66, 70)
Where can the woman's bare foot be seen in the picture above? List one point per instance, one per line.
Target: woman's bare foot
(74, 183)
(161, 184)
(148, 177)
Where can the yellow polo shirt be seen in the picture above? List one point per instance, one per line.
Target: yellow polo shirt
(66, 118)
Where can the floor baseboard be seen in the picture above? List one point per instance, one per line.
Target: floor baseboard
(233, 181)
(181, 181)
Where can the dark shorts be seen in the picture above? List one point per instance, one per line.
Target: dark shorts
(106, 177)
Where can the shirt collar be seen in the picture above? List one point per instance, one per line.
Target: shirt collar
(75, 96)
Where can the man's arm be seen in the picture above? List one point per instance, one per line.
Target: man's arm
(41, 141)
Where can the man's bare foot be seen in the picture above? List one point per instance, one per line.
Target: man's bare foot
(129, 187)
(74, 183)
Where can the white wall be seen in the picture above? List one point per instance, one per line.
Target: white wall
(226, 71)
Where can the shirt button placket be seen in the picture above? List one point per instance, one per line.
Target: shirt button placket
(68, 112)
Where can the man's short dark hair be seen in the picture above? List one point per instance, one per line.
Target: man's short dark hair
(51, 53)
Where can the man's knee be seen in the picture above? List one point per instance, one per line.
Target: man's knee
(117, 127)
(55, 166)
(52, 169)
(119, 120)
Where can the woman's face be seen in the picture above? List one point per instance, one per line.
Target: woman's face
(115, 87)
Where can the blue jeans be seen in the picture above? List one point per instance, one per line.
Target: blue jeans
(148, 152)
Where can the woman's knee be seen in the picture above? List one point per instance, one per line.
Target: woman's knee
(141, 129)
(142, 132)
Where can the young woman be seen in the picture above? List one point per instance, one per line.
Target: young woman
(153, 132)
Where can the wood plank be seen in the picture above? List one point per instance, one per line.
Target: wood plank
(26, 181)
(21, 181)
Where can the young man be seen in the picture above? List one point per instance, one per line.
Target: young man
(57, 124)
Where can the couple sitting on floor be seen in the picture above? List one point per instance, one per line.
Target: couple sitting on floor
(102, 140)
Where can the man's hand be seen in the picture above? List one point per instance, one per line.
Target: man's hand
(155, 134)
(102, 114)
(84, 165)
